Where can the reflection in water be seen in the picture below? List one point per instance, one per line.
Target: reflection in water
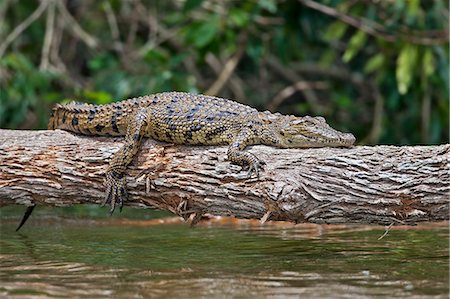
(217, 259)
(52, 279)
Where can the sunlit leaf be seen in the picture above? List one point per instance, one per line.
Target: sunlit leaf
(99, 97)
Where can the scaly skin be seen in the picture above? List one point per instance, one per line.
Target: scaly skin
(184, 118)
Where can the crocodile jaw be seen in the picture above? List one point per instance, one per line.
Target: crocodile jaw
(298, 132)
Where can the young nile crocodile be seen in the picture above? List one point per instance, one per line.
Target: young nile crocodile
(184, 118)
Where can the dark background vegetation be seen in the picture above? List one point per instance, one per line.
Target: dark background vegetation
(379, 69)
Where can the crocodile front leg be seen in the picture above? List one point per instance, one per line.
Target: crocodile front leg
(116, 190)
(237, 154)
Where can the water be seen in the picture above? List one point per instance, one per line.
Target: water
(110, 257)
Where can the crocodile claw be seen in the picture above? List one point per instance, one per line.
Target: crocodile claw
(116, 191)
(255, 167)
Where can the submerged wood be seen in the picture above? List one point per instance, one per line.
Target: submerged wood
(376, 184)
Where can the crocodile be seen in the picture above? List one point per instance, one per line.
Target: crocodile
(185, 118)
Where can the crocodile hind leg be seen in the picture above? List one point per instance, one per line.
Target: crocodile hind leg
(116, 191)
(237, 154)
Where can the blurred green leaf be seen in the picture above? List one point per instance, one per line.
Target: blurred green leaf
(175, 60)
(413, 8)
(343, 101)
(255, 49)
(335, 31)
(102, 61)
(327, 58)
(201, 34)
(428, 63)
(356, 43)
(374, 63)
(406, 63)
(17, 61)
(239, 17)
(399, 5)
(302, 107)
(156, 56)
(269, 5)
(98, 97)
(191, 4)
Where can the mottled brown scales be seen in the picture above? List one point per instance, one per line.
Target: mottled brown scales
(184, 118)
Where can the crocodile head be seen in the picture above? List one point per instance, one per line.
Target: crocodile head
(296, 132)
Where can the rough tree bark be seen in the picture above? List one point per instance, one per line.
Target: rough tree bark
(380, 184)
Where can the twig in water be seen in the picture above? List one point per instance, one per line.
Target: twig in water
(265, 217)
(386, 231)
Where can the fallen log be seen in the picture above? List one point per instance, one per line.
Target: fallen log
(376, 184)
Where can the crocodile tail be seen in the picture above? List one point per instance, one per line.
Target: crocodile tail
(66, 116)
(53, 121)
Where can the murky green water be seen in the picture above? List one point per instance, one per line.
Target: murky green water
(67, 257)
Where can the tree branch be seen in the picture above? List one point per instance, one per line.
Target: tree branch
(291, 89)
(309, 94)
(88, 39)
(49, 29)
(381, 184)
(229, 67)
(22, 26)
(377, 30)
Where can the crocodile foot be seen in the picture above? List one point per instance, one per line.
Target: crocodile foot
(255, 167)
(116, 191)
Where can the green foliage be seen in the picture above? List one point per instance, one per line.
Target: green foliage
(201, 34)
(397, 50)
(191, 4)
(27, 88)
